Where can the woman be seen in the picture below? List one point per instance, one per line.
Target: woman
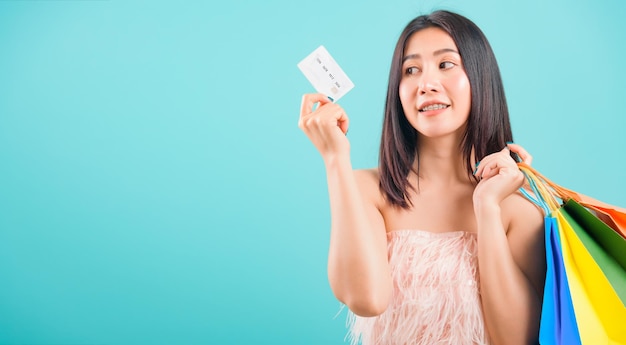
(436, 245)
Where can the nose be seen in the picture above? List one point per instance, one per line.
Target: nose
(429, 82)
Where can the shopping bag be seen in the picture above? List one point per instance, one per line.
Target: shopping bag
(585, 290)
(558, 323)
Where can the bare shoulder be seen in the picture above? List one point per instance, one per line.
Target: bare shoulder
(369, 181)
(522, 215)
(367, 175)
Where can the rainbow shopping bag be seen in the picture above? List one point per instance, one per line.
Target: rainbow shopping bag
(585, 290)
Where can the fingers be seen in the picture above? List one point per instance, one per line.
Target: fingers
(493, 168)
(521, 152)
(309, 100)
(327, 114)
(343, 122)
(501, 162)
(495, 163)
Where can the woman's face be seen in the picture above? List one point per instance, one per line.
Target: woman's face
(434, 89)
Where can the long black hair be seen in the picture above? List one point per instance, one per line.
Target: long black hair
(488, 127)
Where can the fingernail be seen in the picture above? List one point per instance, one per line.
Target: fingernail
(509, 142)
(476, 165)
(331, 99)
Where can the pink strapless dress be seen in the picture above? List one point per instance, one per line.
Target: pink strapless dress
(435, 299)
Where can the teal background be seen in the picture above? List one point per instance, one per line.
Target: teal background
(155, 187)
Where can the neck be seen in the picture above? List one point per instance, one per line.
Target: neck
(441, 160)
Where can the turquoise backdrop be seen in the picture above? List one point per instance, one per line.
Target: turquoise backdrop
(155, 187)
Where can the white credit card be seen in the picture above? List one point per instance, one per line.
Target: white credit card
(325, 74)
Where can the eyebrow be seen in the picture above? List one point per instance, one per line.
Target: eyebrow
(435, 53)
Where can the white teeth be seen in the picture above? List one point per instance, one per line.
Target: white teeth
(434, 107)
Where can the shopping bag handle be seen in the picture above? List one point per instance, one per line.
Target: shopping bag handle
(567, 194)
(544, 196)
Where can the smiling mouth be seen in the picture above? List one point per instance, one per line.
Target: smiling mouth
(434, 107)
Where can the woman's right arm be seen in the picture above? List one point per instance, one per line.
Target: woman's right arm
(358, 268)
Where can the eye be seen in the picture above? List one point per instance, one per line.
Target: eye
(446, 65)
(411, 70)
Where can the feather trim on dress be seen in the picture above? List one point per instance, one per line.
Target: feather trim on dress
(435, 298)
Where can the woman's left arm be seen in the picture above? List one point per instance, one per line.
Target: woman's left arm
(511, 250)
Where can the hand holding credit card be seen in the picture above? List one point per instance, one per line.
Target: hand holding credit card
(325, 74)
